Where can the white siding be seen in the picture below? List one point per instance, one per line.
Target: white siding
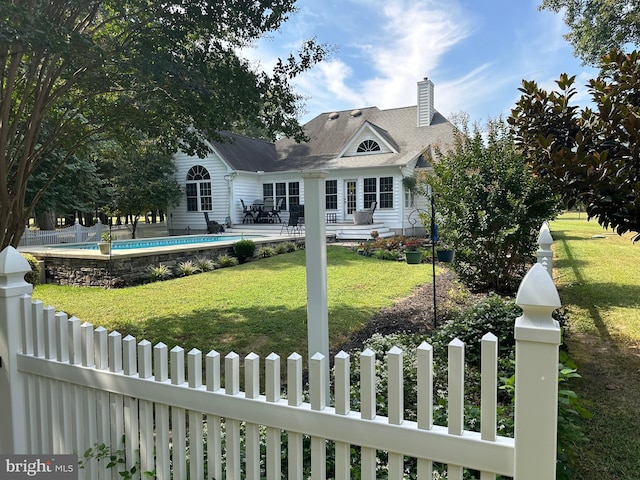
(179, 219)
(248, 187)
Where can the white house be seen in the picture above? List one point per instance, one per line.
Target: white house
(365, 152)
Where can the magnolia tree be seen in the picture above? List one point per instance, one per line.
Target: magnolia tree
(81, 71)
(588, 156)
(490, 206)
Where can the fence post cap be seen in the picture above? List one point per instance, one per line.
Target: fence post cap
(538, 290)
(13, 267)
(545, 238)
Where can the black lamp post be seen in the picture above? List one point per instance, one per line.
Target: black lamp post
(434, 238)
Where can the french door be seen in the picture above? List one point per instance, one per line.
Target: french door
(350, 198)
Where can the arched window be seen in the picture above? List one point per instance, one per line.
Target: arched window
(198, 189)
(368, 146)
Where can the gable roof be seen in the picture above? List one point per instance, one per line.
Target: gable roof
(330, 133)
(246, 153)
(380, 136)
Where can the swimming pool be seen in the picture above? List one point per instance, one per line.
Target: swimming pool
(128, 263)
(160, 242)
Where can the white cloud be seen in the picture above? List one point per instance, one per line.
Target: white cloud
(413, 39)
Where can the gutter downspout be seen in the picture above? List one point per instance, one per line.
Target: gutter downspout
(229, 178)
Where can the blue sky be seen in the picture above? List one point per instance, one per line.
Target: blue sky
(475, 51)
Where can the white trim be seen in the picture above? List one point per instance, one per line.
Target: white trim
(365, 126)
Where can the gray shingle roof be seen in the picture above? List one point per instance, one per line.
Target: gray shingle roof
(246, 153)
(329, 135)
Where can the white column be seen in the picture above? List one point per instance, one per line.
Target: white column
(537, 337)
(13, 267)
(316, 255)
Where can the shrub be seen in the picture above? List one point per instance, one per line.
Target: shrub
(159, 272)
(489, 315)
(187, 268)
(32, 277)
(204, 264)
(491, 207)
(266, 252)
(386, 254)
(286, 247)
(244, 249)
(227, 261)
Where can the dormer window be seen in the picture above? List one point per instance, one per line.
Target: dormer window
(368, 146)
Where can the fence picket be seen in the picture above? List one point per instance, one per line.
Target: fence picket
(252, 431)
(130, 407)
(455, 411)
(272, 394)
(31, 418)
(49, 322)
(147, 462)
(317, 391)
(62, 337)
(103, 410)
(424, 359)
(295, 463)
(116, 401)
(161, 374)
(178, 417)
(74, 333)
(342, 393)
(38, 328)
(395, 395)
(196, 435)
(62, 424)
(232, 387)
(214, 424)
(489, 392)
(368, 407)
(26, 310)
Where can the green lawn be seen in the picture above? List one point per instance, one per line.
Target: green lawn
(598, 280)
(255, 307)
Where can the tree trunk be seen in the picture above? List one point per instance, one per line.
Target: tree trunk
(88, 219)
(134, 225)
(46, 220)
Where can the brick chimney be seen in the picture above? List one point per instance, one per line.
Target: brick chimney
(425, 102)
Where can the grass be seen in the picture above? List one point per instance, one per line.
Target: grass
(597, 277)
(256, 307)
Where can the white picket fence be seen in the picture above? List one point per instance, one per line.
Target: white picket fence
(74, 234)
(66, 386)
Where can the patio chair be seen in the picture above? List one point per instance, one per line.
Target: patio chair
(267, 208)
(212, 225)
(295, 224)
(248, 214)
(275, 212)
(370, 210)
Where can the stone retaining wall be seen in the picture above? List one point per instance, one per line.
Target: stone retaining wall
(122, 271)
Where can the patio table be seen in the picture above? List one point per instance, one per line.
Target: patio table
(361, 217)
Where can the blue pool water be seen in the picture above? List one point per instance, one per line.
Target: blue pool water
(161, 242)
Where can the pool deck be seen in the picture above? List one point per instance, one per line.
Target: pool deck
(52, 251)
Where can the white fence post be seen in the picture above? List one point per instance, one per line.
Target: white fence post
(316, 262)
(13, 413)
(544, 253)
(537, 337)
(78, 229)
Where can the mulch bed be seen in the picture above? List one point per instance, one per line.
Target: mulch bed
(413, 314)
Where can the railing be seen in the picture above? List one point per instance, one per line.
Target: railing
(74, 234)
(69, 386)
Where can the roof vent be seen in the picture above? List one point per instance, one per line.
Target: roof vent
(356, 113)
(334, 115)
